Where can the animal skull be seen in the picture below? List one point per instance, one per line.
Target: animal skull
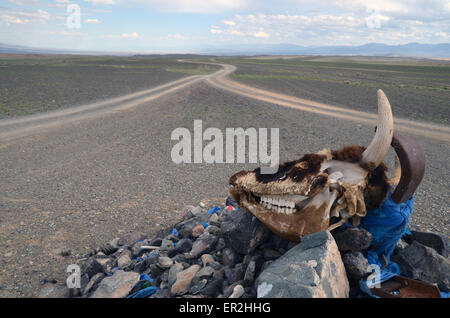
(320, 191)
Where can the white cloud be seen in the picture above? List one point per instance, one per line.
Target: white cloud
(197, 6)
(133, 35)
(104, 2)
(176, 36)
(32, 3)
(229, 22)
(92, 21)
(236, 32)
(215, 30)
(18, 16)
(338, 28)
(260, 34)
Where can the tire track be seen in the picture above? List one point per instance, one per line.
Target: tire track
(222, 81)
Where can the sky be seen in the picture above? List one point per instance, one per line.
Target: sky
(169, 26)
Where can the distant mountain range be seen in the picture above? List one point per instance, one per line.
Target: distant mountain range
(371, 49)
(441, 50)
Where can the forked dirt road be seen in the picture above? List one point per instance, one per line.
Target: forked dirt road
(76, 178)
(13, 128)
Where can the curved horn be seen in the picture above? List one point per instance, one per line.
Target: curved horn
(378, 148)
(412, 161)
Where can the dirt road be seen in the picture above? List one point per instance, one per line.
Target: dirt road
(13, 128)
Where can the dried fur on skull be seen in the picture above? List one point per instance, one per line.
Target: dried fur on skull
(319, 191)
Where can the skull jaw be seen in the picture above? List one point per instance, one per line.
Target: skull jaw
(292, 227)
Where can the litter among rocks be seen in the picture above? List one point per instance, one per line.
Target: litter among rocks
(239, 257)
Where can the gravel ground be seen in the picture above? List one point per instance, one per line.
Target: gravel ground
(417, 89)
(79, 186)
(30, 85)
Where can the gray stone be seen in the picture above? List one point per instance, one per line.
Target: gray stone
(183, 246)
(203, 244)
(118, 285)
(356, 265)
(436, 241)
(95, 280)
(136, 249)
(249, 276)
(238, 291)
(131, 238)
(198, 286)
(265, 265)
(111, 246)
(92, 267)
(206, 272)
(165, 278)
(165, 262)
(229, 257)
(184, 279)
(155, 270)
(311, 269)
(271, 254)
(214, 230)
(66, 252)
(214, 219)
(423, 263)
(352, 239)
(185, 227)
(243, 232)
(228, 290)
(235, 274)
(186, 212)
(180, 258)
(220, 244)
(142, 266)
(173, 272)
(166, 245)
(172, 237)
(214, 285)
(124, 259)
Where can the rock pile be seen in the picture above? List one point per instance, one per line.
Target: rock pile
(226, 252)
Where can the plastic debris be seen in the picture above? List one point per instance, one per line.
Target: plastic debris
(230, 208)
(214, 209)
(205, 225)
(175, 232)
(144, 293)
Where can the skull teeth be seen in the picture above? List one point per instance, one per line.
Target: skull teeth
(278, 205)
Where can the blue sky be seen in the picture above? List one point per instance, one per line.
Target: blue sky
(191, 25)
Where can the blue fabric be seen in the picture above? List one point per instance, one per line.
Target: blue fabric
(214, 209)
(445, 295)
(387, 224)
(145, 277)
(144, 293)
